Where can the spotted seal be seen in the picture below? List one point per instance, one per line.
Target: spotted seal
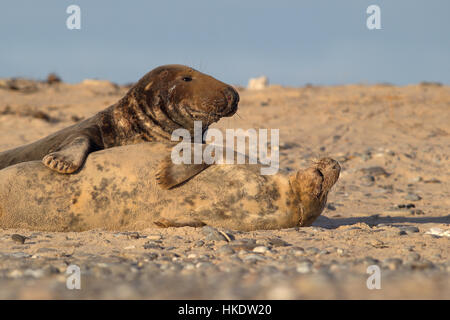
(166, 98)
(116, 189)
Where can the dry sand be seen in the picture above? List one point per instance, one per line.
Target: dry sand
(392, 143)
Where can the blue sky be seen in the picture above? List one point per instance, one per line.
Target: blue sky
(292, 42)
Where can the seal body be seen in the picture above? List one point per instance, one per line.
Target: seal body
(167, 98)
(117, 190)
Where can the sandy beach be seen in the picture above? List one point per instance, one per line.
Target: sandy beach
(390, 207)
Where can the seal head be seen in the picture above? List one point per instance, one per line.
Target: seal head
(311, 187)
(171, 97)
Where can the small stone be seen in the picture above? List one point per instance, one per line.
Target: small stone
(369, 261)
(438, 232)
(304, 266)
(20, 255)
(277, 242)
(133, 235)
(46, 250)
(331, 207)
(420, 265)
(375, 171)
(18, 238)
(204, 265)
(312, 250)
(298, 251)
(189, 266)
(152, 245)
(199, 243)
(225, 250)
(254, 257)
(260, 249)
(377, 244)
(39, 273)
(433, 180)
(416, 212)
(152, 256)
(341, 251)
(409, 229)
(154, 237)
(212, 234)
(413, 197)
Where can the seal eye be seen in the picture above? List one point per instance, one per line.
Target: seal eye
(187, 79)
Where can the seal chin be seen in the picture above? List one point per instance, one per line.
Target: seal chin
(207, 117)
(231, 111)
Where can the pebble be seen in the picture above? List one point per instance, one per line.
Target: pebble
(413, 197)
(377, 244)
(438, 232)
(409, 229)
(199, 243)
(312, 250)
(277, 242)
(18, 238)
(152, 245)
(133, 235)
(46, 250)
(204, 265)
(375, 171)
(297, 251)
(254, 257)
(304, 266)
(225, 250)
(260, 249)
(212, 234)
(154, 237)
(20, 255)
(152, 256)
(416, 212)
(420, 265)
(369, 261)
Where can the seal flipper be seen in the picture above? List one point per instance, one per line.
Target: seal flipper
(166, 223)
(70, 157)
(170, 175)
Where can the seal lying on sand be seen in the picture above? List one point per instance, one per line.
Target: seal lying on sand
(167, 98)
(116, 190)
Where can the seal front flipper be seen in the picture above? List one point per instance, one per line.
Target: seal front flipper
(166, 223)
(170, 175)
(70, 157)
